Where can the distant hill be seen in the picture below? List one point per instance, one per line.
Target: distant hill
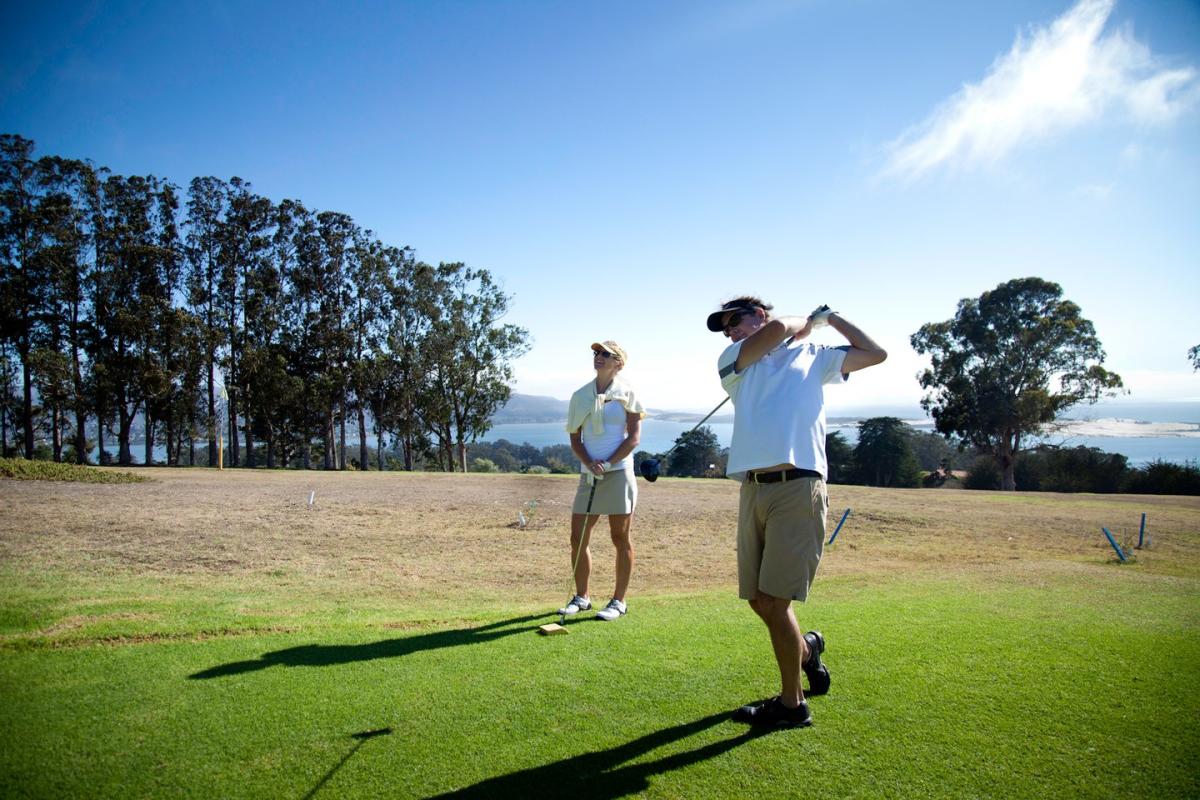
(530, 408)
(539, 408)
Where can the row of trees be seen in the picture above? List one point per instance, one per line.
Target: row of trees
(123, 302)
(1086, 469)
(889, 452)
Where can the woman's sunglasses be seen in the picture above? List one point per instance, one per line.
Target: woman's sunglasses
(605, 354)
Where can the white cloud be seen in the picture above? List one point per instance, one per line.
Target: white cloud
(1054, 79)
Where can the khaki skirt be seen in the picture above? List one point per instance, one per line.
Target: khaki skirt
(616, 493)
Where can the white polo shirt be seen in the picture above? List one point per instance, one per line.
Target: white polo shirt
(779, 404)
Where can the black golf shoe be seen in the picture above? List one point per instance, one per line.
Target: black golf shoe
(773, 713)
(818, 673)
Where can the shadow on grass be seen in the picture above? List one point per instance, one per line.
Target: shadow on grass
(321, 655)
(359, 739)
(598, 775)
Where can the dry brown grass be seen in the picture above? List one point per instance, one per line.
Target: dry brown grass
(410, 535)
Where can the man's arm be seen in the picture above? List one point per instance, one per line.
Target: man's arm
(768, 337)
(863, 351)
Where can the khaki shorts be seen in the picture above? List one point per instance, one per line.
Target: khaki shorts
(616, 493)
(781, 532)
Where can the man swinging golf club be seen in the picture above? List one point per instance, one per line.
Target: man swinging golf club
(604, 420)
(776, 382)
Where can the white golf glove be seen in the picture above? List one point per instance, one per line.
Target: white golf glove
(820, 316)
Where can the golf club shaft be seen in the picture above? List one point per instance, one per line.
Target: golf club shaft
(583, 536)
(697, 425)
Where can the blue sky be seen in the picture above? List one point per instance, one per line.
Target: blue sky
(622, 167)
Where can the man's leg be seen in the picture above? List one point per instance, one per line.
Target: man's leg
(620, 526)
(789, 646)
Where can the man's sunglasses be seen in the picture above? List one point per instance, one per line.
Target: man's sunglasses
(735, 320)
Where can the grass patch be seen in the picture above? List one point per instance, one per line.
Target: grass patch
(211, 634)
(22, 470)
(1076, 688)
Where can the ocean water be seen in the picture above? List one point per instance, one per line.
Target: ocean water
(659, 435)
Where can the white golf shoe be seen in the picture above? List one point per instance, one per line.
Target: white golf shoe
(575, 605)
(614, 609)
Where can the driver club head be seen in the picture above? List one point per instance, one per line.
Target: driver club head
(649, 469)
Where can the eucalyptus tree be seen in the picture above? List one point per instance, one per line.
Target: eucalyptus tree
(368, 313)
(164, 357)
(136, 271)
(275, 401)
(399, 396)
(1008, 363)
(22, 272)
(337, 235)
(298, 234)
(697, 453)
(884, 453)
(188, 407)
(10, 401)
(206, 204)
(59, 361)
(471, 353)
(249, 294)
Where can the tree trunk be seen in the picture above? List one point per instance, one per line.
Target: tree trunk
(27, 406)
(364, 457)
(149, 459)
(56, 433)
(80, 435)
(235, 459)
(125, 422)
(270, 446)
(1007, 461)
(1009, 481)
(330, 432)
(172, 441)
(249, 438)
(212, 412)
(342, 434)
(101, 455)
(462, 455)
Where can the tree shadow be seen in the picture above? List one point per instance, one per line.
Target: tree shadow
(595, 776)
(319, 655)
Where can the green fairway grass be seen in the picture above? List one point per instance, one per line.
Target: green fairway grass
(1082, 683)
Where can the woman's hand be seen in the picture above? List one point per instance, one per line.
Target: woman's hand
(597, 467)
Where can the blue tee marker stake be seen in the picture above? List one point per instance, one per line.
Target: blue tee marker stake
(839, 527)
(1113, 542)
(1142, 531)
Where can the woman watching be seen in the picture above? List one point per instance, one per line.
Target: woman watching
(604, 420)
